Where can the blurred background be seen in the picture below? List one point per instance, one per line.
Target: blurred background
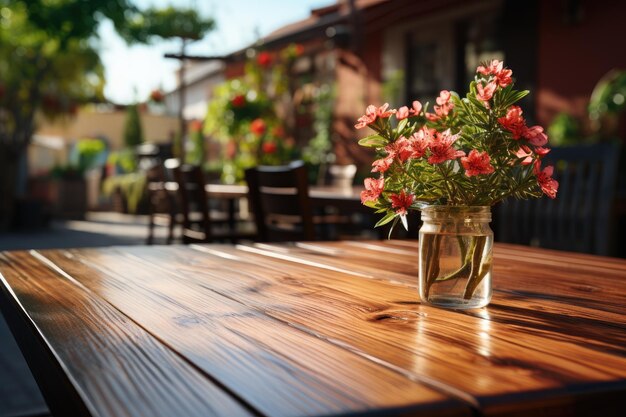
(87, 88)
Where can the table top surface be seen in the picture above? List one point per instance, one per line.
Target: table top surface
(316, 329)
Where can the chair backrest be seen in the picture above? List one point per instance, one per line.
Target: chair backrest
(580, 218)
(279, 196)
(192, 199)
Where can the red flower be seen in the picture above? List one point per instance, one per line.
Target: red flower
(420, 141)
(383, 164)
(238, 101)
(298, 49)
(477, 163)
(402, 202)
(441, 149)
(536, 136)
(503, 78)
(548, 185)
(373, 189)
(258, 127)
(264, 59)
(269, 147)
(514, 122)
(401, 148)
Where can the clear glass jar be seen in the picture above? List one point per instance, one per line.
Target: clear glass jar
(456, 245)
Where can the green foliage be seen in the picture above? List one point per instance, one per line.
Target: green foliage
(564, 130)
(124, 160)
(133, 133)
(132, 186)
(319, 149)
(609, 95)
(167, 23)
(414, 172)
(88, 151)
(244, 116)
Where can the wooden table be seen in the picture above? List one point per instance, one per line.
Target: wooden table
(314, 329)
(321, 195)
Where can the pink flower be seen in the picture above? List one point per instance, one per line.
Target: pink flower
(477, 163)
(443, 107)
(444, 97)
(525, 154)
(441, 148)
(514, 122)
(404, 112)
(373, 188)
(502, 76)
(383, 164)
(368, 118)
(536, 136)
(382, 111)
(402, 202)
(493, 68)
(541, 152)
(485, 93)
(548, 185)
(371, 113)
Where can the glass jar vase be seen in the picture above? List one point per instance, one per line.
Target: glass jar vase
(456, 245)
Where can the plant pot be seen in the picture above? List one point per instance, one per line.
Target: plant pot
(456, 245)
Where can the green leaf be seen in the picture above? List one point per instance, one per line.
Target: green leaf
(373, 141)
(388, 217)
(402, 125)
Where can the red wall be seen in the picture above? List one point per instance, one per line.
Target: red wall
(574, 56)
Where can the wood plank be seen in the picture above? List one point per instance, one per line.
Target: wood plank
(548, 362)
(276, 367)
(115, 367)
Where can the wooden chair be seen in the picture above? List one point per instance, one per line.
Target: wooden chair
(580, 218)
(197, 222)
(162, 207)
(279, 197)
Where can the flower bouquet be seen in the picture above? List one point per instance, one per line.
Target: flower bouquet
(453, 164)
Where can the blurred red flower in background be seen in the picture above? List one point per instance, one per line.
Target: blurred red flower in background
(238, 101)
(269, 147)
(264, 59)
(258, 127)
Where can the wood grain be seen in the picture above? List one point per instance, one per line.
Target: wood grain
(116, 367)
(277, 368)
(517, 355)
(336, 328)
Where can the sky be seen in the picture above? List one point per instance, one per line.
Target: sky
(132, 72)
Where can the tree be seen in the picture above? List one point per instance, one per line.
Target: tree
(133, 134)
(49, 65)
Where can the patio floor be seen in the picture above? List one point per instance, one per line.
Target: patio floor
(19, 394)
